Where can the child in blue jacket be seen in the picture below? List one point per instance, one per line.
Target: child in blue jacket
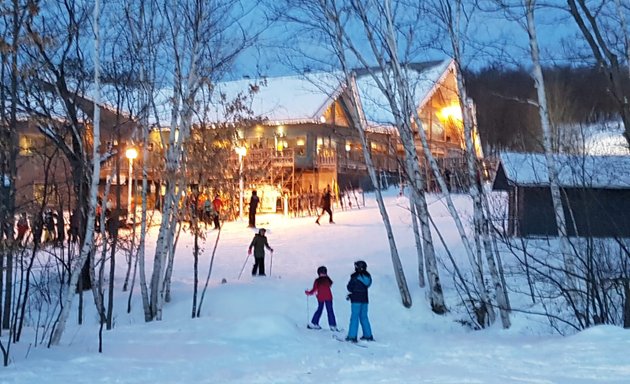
(358, 286)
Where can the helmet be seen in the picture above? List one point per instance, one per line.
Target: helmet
(322, 270)
(360, 265)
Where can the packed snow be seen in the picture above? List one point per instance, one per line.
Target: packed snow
(253, 329)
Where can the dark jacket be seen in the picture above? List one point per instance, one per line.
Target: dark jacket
(326, 198)
(253, 203)
(259, 243)
(358, 287)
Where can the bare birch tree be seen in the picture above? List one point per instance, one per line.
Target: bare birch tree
(450, 16)
(340, 14)
(204, 39)
(88, 244)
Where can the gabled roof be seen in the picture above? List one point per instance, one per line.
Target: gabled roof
(423, 78)
(288, 99)
(300, 98)
(574, 171)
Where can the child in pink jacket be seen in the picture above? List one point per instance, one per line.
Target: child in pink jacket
(321, 287)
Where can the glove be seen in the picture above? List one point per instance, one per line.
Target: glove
(348, 297)
(271, 250)
(306, 291)
(249, 251)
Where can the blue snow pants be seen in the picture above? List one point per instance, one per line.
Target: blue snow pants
(329, 310)
(359, 314)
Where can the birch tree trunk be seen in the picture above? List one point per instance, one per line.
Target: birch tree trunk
(452, 21)
(552, 169)
(399, 272)
(400, 110)
(336, 30)
(142, 33)
(416, 234)
(88, 245)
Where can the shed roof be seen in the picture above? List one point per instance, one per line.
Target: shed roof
(574, 171)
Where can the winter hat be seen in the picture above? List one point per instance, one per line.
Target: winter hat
(360, 265)
(262, 231)
(322, 270)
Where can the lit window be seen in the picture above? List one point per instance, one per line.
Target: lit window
(26, 145)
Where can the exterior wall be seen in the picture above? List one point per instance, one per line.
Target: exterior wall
(589, 212)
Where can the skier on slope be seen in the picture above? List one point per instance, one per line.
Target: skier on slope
(358, 286)
(259, 243)
(321, 287)
(326, 206)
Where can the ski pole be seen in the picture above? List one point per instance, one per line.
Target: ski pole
(270, 262)
(244, 264)
(308, 311)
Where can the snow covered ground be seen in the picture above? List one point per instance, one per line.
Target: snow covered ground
(253, 329)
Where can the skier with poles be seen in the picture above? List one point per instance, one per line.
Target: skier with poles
(259, 243)
(321, 287)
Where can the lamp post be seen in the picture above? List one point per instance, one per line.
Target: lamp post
(241, 151)
(131, 154)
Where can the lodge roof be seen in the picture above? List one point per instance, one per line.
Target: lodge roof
(423, 79)
(304, 98)
(574, 171)
(286, 99)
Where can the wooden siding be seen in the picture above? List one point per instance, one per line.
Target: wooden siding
(589, 212)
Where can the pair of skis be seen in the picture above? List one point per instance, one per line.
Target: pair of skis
(335, 336)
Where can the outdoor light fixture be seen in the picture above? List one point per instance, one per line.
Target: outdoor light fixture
(241, 152)
(451, 112)
(131, 154)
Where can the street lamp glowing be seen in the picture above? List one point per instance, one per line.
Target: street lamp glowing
(241, 151)
(131, 154)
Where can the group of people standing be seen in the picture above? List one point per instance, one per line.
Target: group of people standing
(205, 208)
(360, 282)
(50, 225)
(325, 205)
(357, 287)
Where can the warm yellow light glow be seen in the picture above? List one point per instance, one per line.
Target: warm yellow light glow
(348, 147)
(322, 119)
(451, 112)
(131, 153)
(300, 142)
(241, 151)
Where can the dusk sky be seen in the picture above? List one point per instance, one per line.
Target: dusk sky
(494, 38)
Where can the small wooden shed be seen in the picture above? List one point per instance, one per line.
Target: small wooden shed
(595, 194)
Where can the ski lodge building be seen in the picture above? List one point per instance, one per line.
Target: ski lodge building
(305, 139)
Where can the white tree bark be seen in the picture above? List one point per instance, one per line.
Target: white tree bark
(552, 169)
(397, 94)
(452, 21)
(399, 272)
(416, 234)
(337, 32)
(142, 36)
(88, 245)
(184, 92)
